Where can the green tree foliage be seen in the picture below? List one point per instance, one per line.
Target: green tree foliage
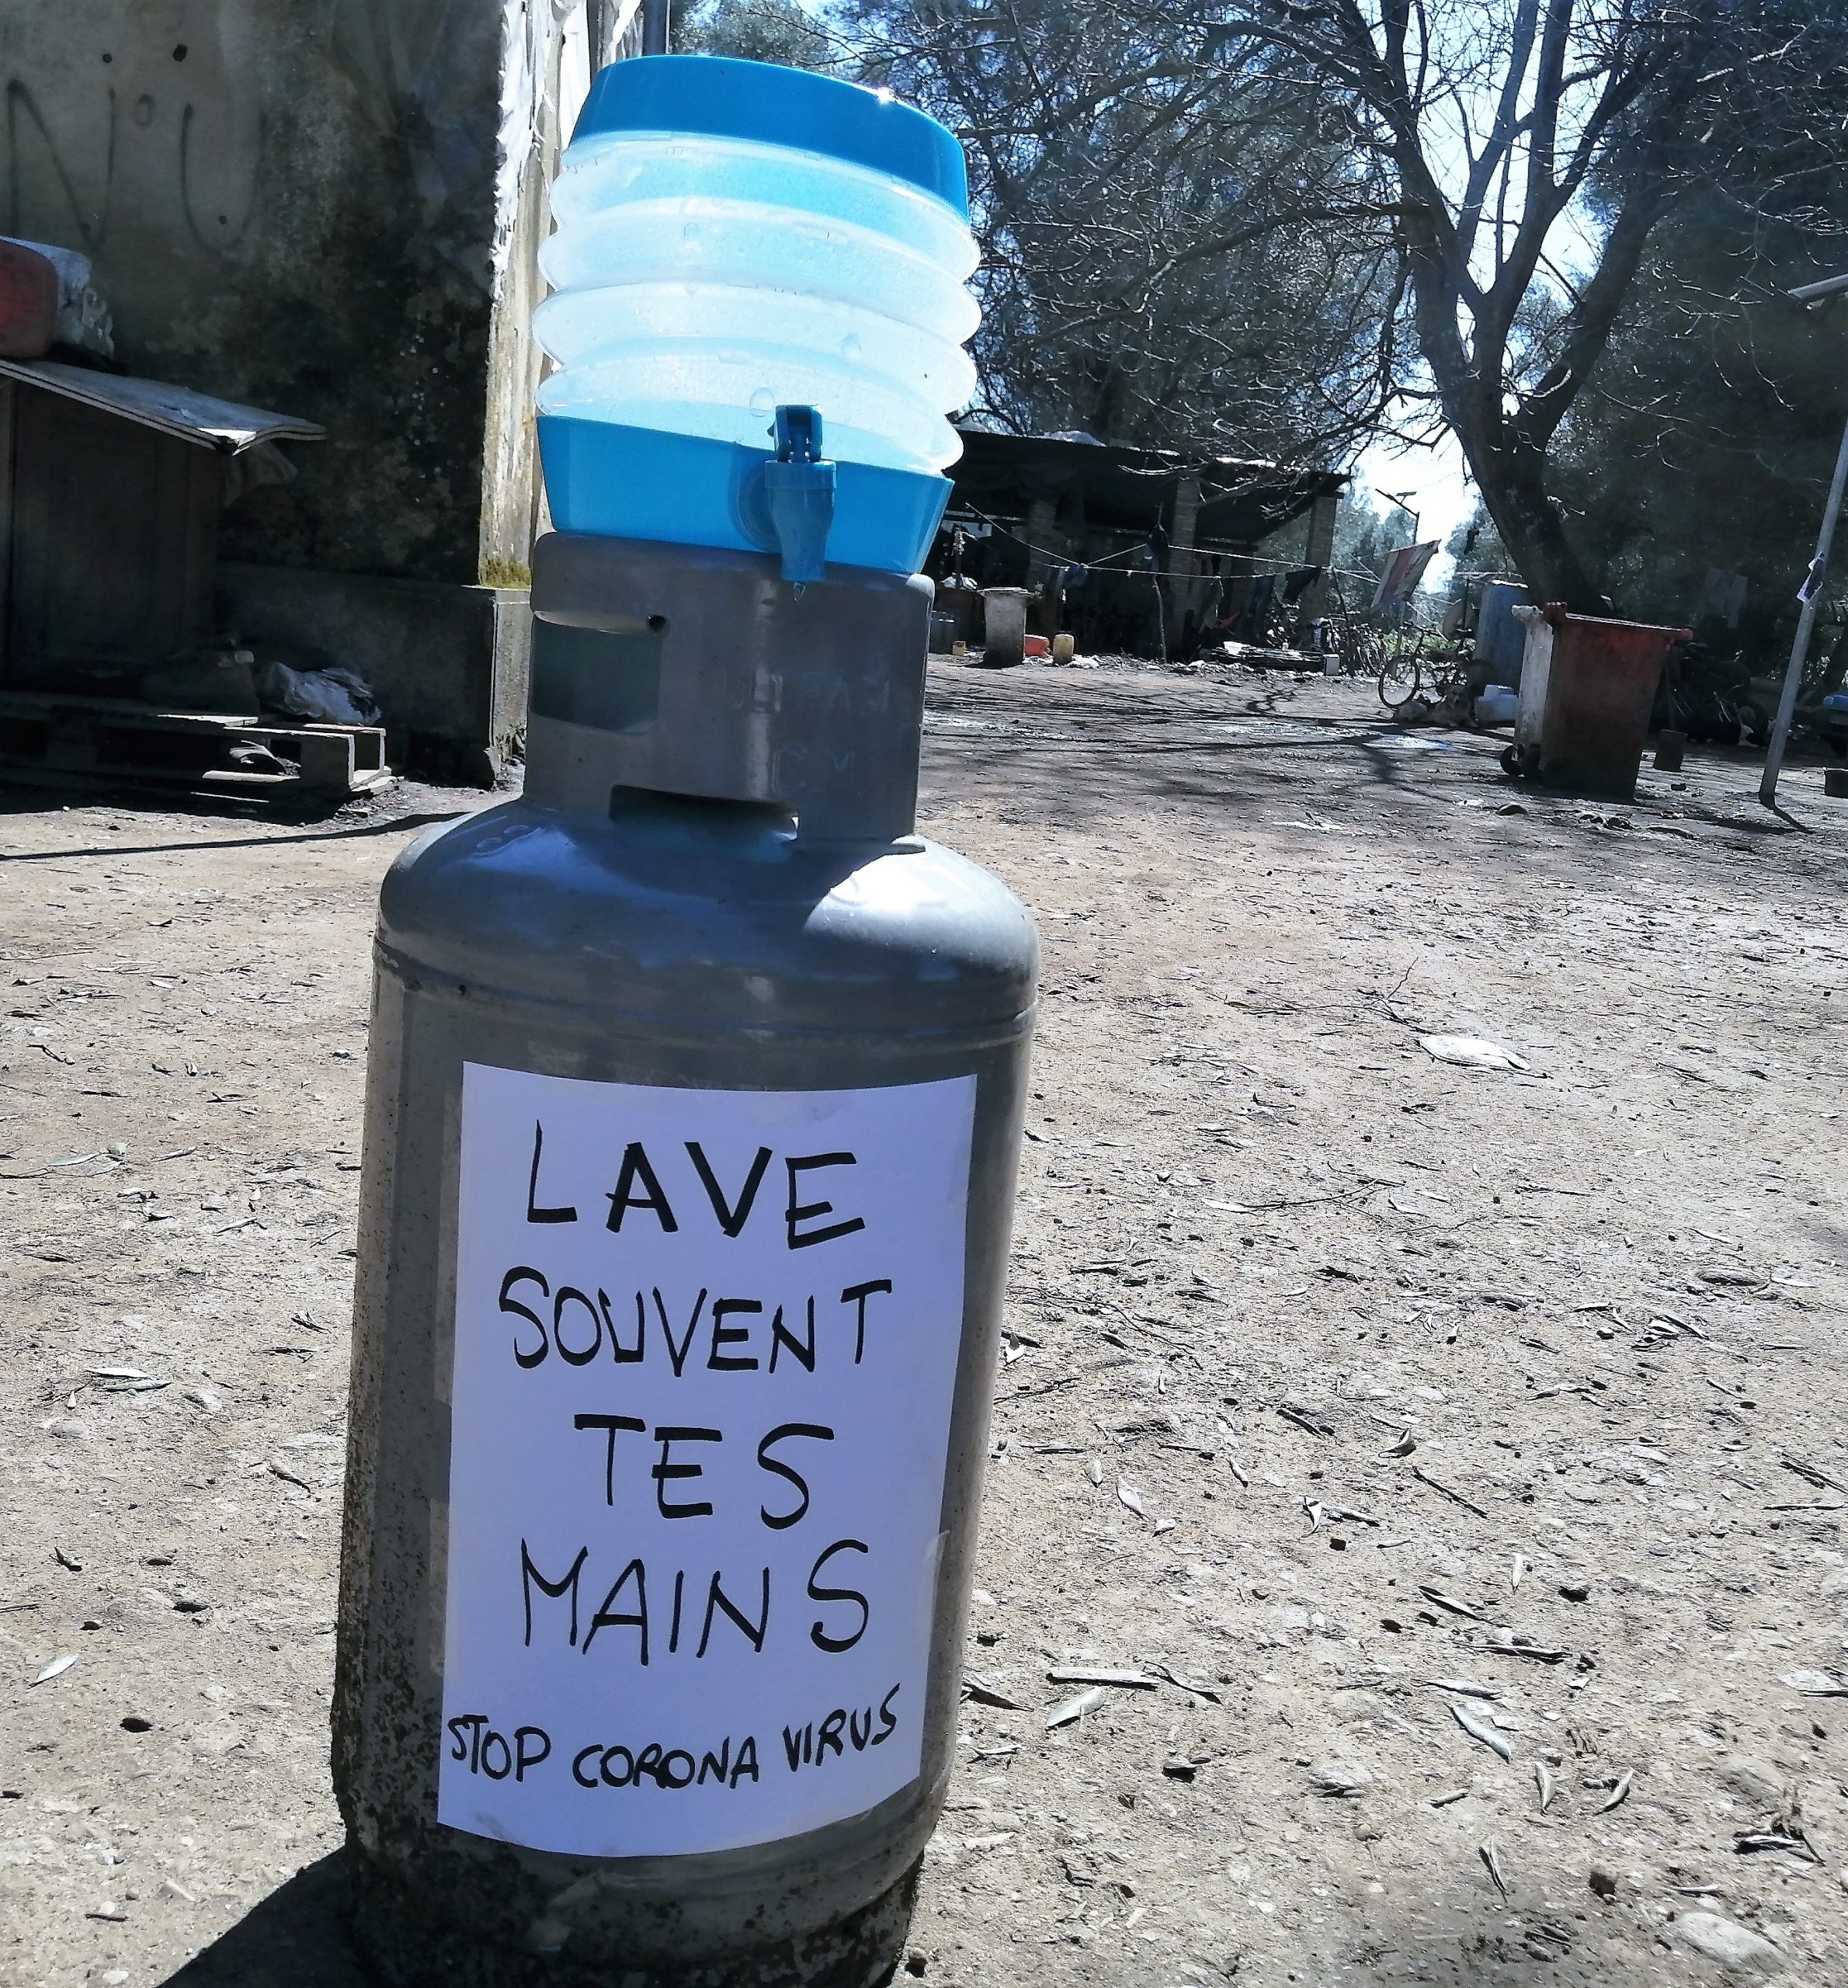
(1180, 247)
(1475, 547)
(1269, 227)
(1706, 438)
(778, 31)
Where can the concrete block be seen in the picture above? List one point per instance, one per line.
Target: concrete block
(447, 663)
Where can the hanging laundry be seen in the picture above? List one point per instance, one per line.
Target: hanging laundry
(1257, 610)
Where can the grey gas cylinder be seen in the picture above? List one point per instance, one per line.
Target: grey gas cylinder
(694, 1119)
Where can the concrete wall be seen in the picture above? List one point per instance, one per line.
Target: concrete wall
(333, 208)
(449, 664)
(292, 203)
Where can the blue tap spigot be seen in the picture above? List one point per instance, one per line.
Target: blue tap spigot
(799, 488)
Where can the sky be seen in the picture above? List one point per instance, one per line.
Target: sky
(1433, 482)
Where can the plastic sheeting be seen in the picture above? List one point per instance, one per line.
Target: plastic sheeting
(528, 88)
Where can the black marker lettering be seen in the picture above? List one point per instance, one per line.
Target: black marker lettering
(529, 1575)
(746, 1762)
(859, 1294)
(677, 1354)
(513, 1307)
(577, 1766)
(665, 1472)
(813, 1210)
(534, 1211)
(830, 1735)
(623, 1356)
(567, 1295)
(817, 1634)
(887, 1721)
(779, 1522)
(724, 1335)
(732, 1218)
(523, 1756)
(605, 1617)
(613, 1423)
(755, 1632)
(781, 1337)
(635, 1167)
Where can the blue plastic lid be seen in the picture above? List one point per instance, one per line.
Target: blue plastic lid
(722, 98)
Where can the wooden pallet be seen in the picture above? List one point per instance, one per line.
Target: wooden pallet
(48, 738)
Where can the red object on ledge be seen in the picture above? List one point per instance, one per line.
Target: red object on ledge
(28, 294)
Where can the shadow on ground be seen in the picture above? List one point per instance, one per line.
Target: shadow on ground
(384, 824)
(295, 1938)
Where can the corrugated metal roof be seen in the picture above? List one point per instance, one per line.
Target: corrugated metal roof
(1130, 489)
(175, 411)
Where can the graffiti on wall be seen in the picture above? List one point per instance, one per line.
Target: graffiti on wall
(128, 119)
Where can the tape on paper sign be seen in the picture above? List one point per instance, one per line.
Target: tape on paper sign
(705, 1344)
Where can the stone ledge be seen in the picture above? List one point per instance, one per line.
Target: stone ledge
(448, 663)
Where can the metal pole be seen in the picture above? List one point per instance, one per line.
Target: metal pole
(654, 26)
(1402, 504)
(1811, 596)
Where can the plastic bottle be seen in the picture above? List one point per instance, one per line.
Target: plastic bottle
(734, 238)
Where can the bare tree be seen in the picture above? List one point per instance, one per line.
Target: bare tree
(1232, 223)
(1535, 146)
(1181, 246)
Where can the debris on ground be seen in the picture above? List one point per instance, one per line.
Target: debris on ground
(1593, 1305)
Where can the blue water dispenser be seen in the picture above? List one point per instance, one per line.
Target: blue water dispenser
(733, 238)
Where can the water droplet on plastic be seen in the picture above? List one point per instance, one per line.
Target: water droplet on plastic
(850, 346)
(763, 400)
(690, 231)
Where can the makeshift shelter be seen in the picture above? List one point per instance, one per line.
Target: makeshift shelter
(110, 492)
(1131, 549)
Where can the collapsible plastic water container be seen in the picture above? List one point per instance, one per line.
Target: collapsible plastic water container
(734, 239)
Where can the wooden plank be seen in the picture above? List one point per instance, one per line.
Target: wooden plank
(117, 738)
(115, 533)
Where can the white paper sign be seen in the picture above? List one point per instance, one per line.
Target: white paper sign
(705, 1343)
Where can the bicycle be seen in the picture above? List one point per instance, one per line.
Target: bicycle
(1429, 670)
(1360, 644)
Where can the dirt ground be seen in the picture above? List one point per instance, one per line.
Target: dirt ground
(1414, 1415)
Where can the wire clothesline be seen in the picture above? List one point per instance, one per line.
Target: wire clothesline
(1165, 573)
